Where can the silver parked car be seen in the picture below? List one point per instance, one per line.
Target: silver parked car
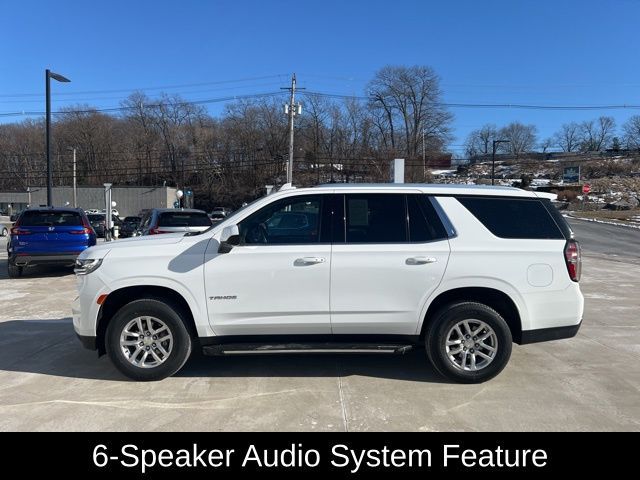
(172, 220)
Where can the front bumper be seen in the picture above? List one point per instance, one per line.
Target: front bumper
(85, 308)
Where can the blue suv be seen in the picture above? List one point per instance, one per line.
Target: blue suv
(48, 236)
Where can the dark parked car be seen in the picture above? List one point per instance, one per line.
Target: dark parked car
(129, 226)
(173, 220)
(48, 236)
(98, 222)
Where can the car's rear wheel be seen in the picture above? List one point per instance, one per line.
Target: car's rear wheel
(468, 342)
(147, 339)
(13, 270)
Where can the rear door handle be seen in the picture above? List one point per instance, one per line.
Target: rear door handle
(309, 260)
(420, 260)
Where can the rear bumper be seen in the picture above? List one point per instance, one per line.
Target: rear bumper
(548, 334)
(44, 259)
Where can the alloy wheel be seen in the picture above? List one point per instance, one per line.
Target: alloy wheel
(471, 345)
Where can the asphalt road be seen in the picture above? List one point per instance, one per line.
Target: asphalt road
(607, 239)
(590, 382)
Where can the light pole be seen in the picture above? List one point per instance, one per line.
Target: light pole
(75, 193)
(493, 159)
(424, 160)
(48, 76)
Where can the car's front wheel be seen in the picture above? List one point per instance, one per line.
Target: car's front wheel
(147, 339)
(468, 342)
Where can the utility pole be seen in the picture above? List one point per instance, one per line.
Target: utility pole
(292, 109)
(493, 159)
(75, 187)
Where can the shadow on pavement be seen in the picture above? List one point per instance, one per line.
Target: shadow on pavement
(50, 347)
(41, 271)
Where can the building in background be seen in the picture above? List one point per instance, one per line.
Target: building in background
(129, 200)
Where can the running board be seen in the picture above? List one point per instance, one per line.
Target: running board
(266, 348)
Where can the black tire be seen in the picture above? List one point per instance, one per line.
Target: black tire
(13, 270)
(445, 319)
(4, 232)
(174, 319)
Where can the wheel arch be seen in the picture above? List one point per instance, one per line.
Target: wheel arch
(492, 297)
(120, 297)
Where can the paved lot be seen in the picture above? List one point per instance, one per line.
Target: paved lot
(591, 382)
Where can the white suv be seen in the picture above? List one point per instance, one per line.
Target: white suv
(463, 271)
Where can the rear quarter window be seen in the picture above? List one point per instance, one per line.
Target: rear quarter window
(510, 217)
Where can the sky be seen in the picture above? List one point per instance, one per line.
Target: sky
(543, 52)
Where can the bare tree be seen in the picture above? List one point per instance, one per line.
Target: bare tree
(520, 138)
(411, 100)
(546, 144)
(568, 137)
(597, 134)
(480, 141)
(631, 132)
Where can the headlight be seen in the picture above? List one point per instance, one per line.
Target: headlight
(88, 265)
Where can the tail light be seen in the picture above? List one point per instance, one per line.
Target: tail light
(20, 231)
(573, 257)
(87, 230)
(156, 231)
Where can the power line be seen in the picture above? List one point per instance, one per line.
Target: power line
(516, 105)
(78, 100)
(164, 87)
(155, 105)
(491, 105)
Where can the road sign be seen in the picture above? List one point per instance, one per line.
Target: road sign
(586, 188)
(571, 174)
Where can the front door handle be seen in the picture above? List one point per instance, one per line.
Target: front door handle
(420, 260)
(309, 260)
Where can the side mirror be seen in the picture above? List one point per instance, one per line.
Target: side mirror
(229, 238)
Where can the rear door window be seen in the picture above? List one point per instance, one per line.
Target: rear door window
(50, 219)
(376, 218)
(510, 217)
